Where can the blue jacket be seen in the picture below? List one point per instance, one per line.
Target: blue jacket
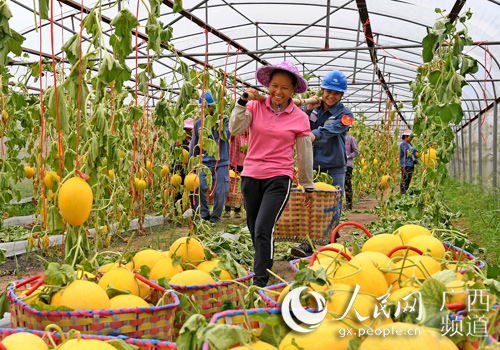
(210, 161)
(411, 154)
(329, 146)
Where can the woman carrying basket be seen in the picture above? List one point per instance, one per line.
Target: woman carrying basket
(275, 127)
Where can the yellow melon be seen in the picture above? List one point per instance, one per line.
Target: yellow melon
(427, 244)
(126, 301)
(29, 172)
(23, 341)
(208, 266)
(385, 181)
(338, 246)
(321, 186)
(55, 300)
(383, 243)
(414, 266)
(120, 278)
(457, 291)
(192, 181)
(148, 257)
(164, 269)
(191, 278)
(50, 179)
(189, 249)
(365, 274)
(165, 171)
(429, 158)
(409, 231)
(185, 156)
(403, 292)
(176, 180)
(75, 201)
(85, 295)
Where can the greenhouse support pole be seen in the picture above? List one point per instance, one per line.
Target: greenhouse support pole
(327, 34)
(470, 150)
(495, 144)
(480, 153)
(454, 160)
(457, 153)
(356, 54)
(463, 154)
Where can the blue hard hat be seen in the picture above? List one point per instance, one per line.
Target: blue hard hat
(208, 97)
(335, 80)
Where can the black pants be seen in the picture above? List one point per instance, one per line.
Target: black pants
(406, 174)
(348, 187)
(264, 201)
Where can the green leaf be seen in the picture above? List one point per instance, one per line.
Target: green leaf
(493, 271)
(188, 335)
(144, 271)
(113, 292)
(110, 69)
(428, 45)
(134, 114)
(154, 29)
(120, 344)
(72, 85)
(273, 335)
(267, 318)
(54, 275)
(72, 49)
(43, 6)
(432, 292)
(41, 306)
(155, 7)
(61, 108)
(177, 6)
(142, 82)
(121, 40)
(228, 263)
(224, 336)
(4, 303)
(2, 255)
(469, 65)
(354, 344)
(445, 276)
(434, 77)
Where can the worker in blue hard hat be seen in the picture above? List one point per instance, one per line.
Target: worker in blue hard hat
(329, 121)
(219, 169)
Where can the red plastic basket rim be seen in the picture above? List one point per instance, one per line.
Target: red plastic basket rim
(178, 287)
(87, 313)
(134, 341)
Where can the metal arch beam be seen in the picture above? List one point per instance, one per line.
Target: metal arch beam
(365, 19)
(215, 32)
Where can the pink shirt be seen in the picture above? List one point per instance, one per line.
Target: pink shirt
(271, 139)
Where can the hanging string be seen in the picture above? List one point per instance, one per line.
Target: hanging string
(62, 39)
(221, 117)
(112, 94)
(59, 139)
(135, 123)
(42, 122)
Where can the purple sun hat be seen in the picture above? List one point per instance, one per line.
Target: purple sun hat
(263, 75)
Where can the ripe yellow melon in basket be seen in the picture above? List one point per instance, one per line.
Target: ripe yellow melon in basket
(321, 186)
(164, 269)
(364, 273)
(120, 278)
(258, 345)
(75, 201)
(427, 244)
(85, 295)
(208, 266)
(125, 301)
(191, 278)
(24, 341)
(86, 344)
(409, 231)
(148, 257)
(383, 243)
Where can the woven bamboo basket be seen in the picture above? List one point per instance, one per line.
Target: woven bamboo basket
(271, 294)
(143, 344)
(237, 318)
(318, 221)
(234, 197)
(212, 298)
(144, 322)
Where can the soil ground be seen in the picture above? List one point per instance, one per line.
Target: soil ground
(27, 265)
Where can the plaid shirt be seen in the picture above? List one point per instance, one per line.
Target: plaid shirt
(236, 157)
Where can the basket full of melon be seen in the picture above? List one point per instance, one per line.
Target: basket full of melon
(204, 282)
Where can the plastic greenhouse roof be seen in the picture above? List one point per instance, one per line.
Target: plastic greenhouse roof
(297, 31)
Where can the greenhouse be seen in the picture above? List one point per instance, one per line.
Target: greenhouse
(267, 174)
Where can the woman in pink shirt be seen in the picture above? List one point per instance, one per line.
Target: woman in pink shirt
(275, 127)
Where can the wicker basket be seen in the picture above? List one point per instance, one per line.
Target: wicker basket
(271, 294)
(212, 298)
(237, 318)
(143, 322)
(234, 197)
(296, 222)
(294, 264)
(143, 344)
